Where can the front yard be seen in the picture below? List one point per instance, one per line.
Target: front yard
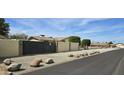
(58, 58)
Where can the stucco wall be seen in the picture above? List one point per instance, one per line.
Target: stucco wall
(9, 48)
(62, 46)
(74, 46)
(120, 45)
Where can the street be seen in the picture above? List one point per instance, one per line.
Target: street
(109, 63)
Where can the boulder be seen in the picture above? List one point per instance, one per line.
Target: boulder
(36, 62)
(92, 53)
(4, 71)
(14, 67)
(82, 55)
(7, 61)
(97, 51)
(9, 73)
(77, 56)
(86, 54)
(49, 61)
(71, 55)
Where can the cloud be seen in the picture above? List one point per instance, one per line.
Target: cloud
(102, 28)
(87, 21)
(94, 28)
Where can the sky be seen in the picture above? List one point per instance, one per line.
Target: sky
(96, 29)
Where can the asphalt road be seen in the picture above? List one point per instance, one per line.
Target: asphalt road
(109, 63)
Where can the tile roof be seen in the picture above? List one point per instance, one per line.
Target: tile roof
(42, 38)
(60, 38)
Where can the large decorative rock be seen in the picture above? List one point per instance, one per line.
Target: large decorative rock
(97, 51)
(86, 54)
(4, 71)
(7, 61)
(49, 61)
(77, 56)
(36, 62)
(82, 55)
(92, 53)
(14, 67)
(71, 55)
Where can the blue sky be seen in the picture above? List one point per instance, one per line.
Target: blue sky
(96, 29)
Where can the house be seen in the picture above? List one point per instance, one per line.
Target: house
(99, 45)
(2, 37)
(63, 39)
(41, 38)
(50, 39)
(120, 45)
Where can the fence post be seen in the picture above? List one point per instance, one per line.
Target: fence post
(69, 46)
(57, 46)
(20, 48)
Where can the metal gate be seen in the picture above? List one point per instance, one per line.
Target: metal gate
(32, 47)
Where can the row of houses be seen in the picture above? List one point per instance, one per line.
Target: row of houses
(43, 38)
(35, 45)
(101, 45)
(42, 44)
(94, 44)
(120, 45)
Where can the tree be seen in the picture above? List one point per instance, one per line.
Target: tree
(4, 27)
(110, 42)
(85, 43)
(18, 36)
(75, 39)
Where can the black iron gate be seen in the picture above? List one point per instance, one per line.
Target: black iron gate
(32, 47)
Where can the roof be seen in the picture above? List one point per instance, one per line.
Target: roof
(99, 43)
(2, 37)
(40, 38)
(60, 38)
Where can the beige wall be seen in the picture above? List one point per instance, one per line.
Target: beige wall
(120, 45)
(74, 46)
(9, 48)
(62, 46)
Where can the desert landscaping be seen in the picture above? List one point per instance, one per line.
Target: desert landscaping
(25, 53)
(35, 62)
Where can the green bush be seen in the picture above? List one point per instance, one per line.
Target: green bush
(85, 42)
(75, 39)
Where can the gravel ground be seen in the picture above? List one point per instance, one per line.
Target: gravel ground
(108, 63)
(59, 58)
